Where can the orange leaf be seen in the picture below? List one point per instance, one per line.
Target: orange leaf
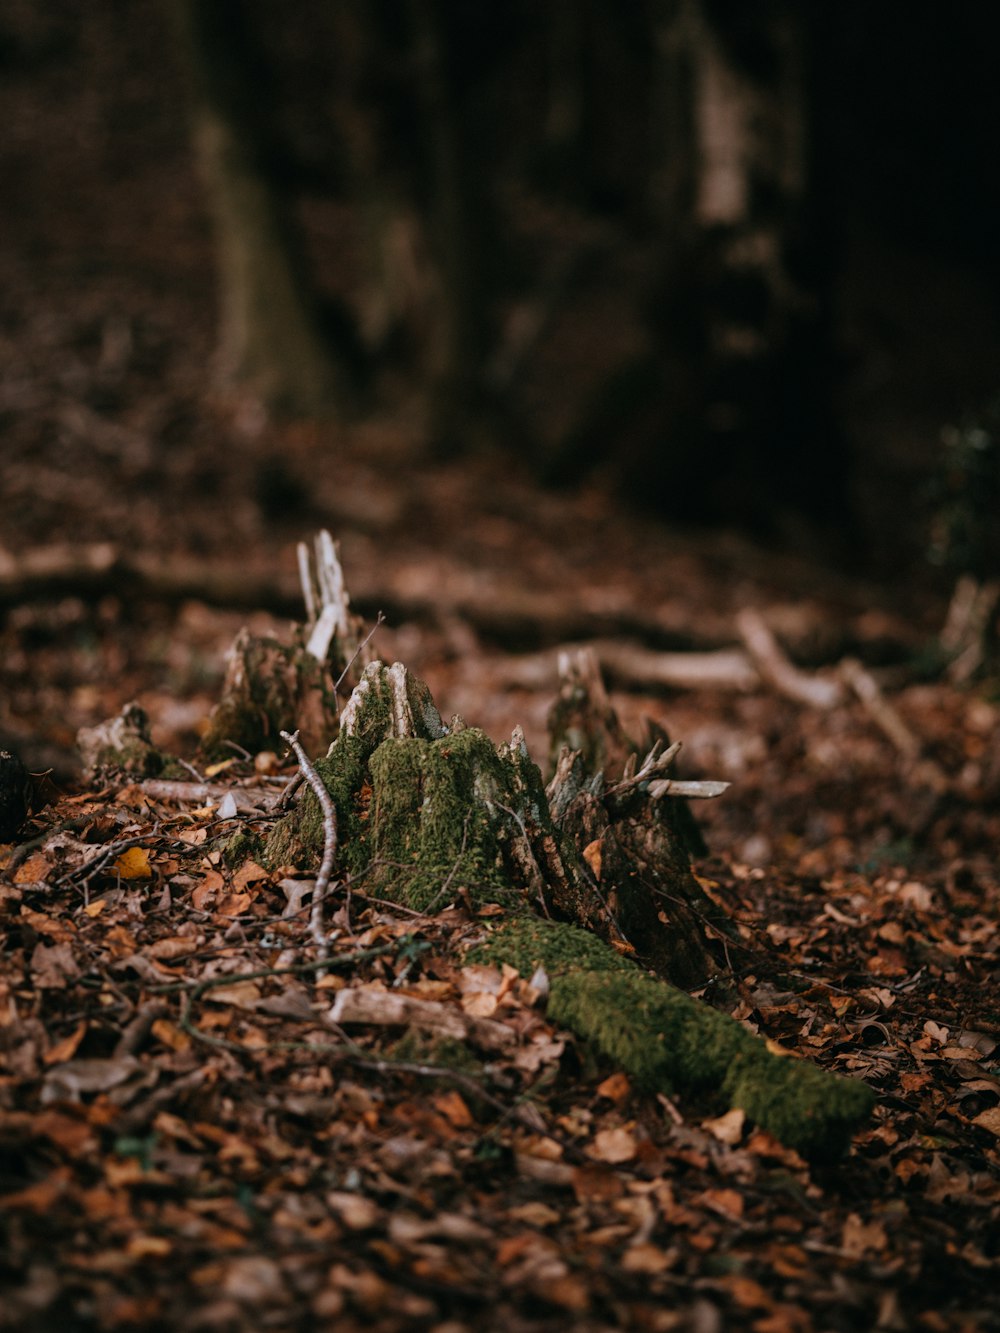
(67, 1048)
(34, 869)
(249, 873)
(592, 856)
(134, 864)
(452, 1106)
(616, 1087)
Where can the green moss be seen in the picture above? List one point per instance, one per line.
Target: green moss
(240, 847)
(667, 1041)
(297, 838)
(436, 814)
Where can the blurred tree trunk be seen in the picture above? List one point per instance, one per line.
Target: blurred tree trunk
(744, 302)
(271, 338)
(459, 344)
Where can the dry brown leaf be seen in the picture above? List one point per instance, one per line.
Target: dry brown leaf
(357, 1212)
(727, 1128)
(233, 904)
(989, 1120)
(67, 1048)
(249, 873)
(858, 1238)
(452, 1106)
(34, 870)
(241, 994)
(53, 966)
(52, 928)
(647, 1258)
(613, 1145)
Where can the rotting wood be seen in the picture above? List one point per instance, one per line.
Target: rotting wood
(587, 885)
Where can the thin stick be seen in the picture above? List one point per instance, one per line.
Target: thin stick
(329, 840)
(379, 620)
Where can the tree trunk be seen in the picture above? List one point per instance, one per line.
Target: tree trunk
(270, 339)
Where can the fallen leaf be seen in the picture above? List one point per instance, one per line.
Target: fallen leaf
(60, 931)
(858, 1238)
(616, 1087)
(727, 1128)
(249, 873)
(357, 1212)
(242, 994)
(989, 1120)
(69, 1082)
(592, 854)
(53, 966)
(134, 864)
(535, 1214)
(233, 904)
(67, 1132)
(727, 1203)
(613, 1145)
(67, 1048)
(452, 1106)
(147, 1247)
(647, 1258)
(34, 870)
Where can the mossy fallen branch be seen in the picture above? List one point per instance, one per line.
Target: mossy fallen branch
(669, 1042)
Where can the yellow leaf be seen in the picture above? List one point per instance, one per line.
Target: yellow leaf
(134, 864)
(214, 770)
(592, 856)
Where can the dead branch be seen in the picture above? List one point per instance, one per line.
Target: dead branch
(329, 840)
(881, 711)
(628, 663)
(367, 1005)
(778, 671)
(206, 793)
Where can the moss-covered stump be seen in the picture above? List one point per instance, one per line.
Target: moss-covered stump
(123, 744)
(669, 1042)
(426, 810)
(428, 813)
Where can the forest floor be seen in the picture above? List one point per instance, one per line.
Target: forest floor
(185, 1141)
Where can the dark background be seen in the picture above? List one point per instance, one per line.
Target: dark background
(105, 227)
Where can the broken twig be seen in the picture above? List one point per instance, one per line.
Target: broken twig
(329, 839)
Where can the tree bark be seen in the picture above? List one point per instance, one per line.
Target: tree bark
(270, 336)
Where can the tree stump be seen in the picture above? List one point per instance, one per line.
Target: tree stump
(593, 880)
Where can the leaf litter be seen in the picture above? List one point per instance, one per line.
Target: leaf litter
(203, 1123)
